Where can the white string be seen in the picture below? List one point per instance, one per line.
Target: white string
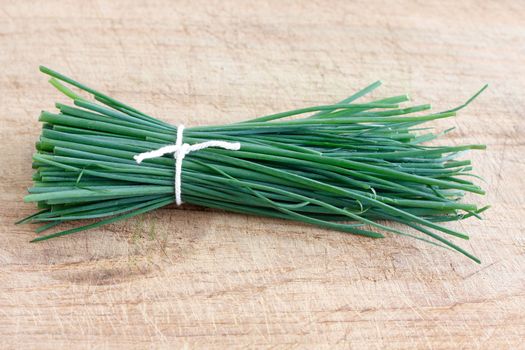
(180, 150)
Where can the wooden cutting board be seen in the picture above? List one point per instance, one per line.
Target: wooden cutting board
(203, 278)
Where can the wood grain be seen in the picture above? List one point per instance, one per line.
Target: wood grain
(203, 278)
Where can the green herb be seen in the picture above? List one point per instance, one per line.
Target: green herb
(347, 166)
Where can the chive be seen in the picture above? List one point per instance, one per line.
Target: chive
(346, 166)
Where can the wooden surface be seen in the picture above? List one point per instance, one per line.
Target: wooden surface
(202, 278)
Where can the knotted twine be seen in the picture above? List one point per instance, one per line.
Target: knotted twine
(180, 150)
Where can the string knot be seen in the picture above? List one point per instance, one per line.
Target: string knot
(180, 150)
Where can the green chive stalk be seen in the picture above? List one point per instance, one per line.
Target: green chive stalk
(349, 166)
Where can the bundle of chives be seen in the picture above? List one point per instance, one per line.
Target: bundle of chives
(346, 167)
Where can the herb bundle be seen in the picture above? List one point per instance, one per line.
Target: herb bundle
(347, 166)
